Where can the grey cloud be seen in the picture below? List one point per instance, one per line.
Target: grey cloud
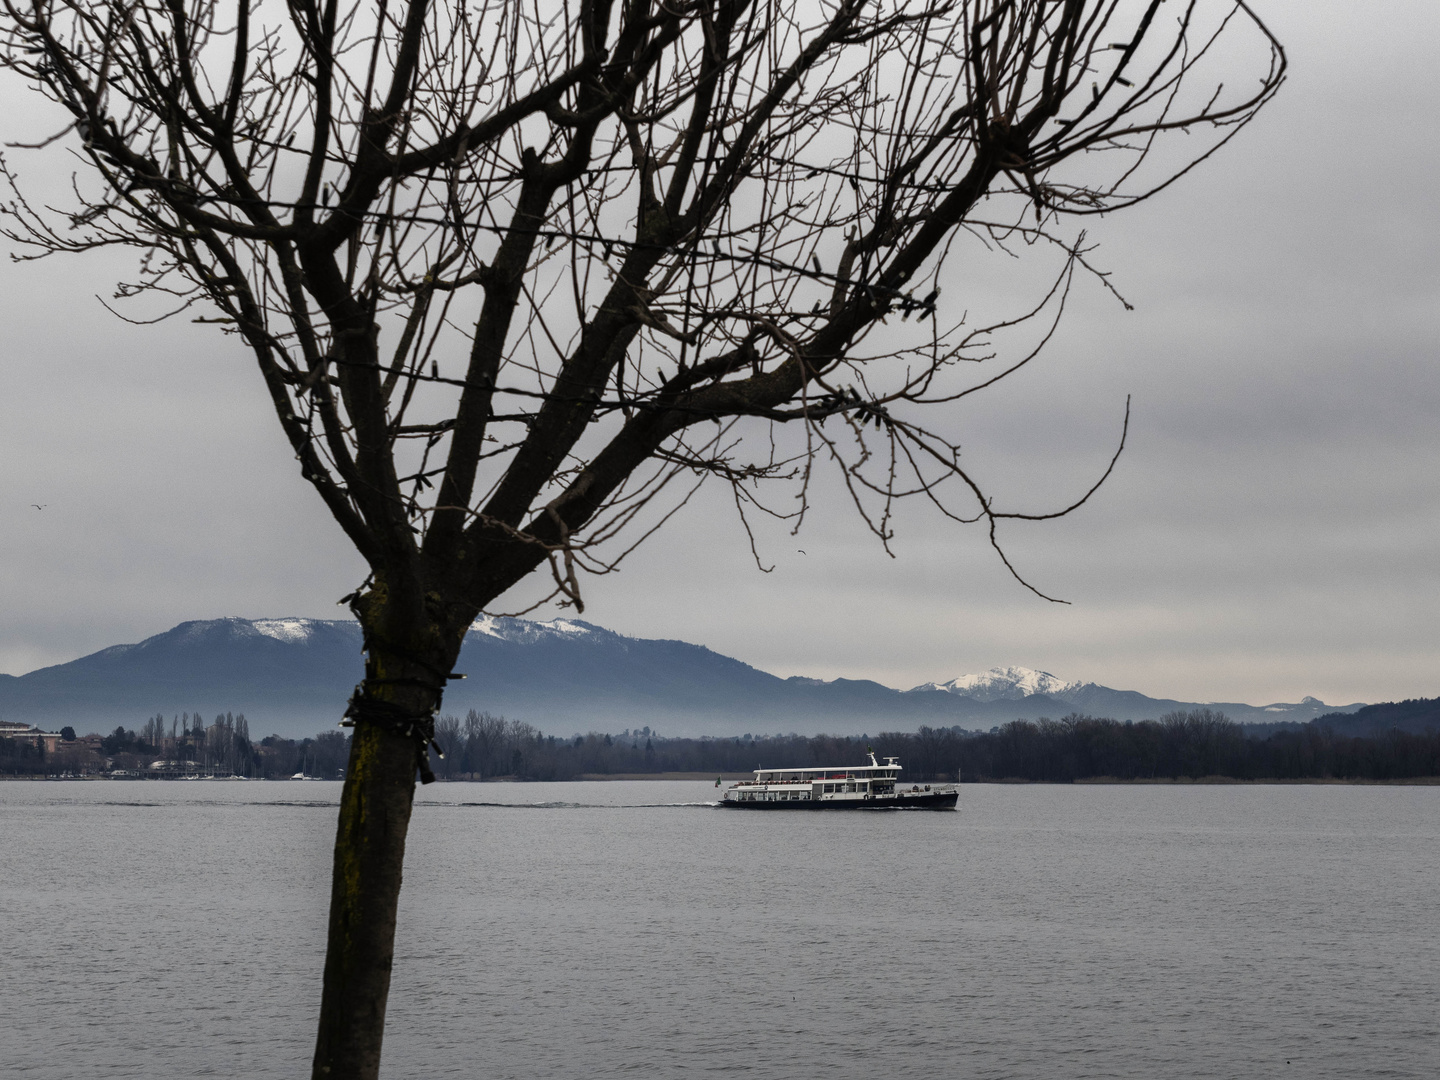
(1271, 531)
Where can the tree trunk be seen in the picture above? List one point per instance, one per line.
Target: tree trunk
(393, 715)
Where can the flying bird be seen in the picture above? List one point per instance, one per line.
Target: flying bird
(801, 550)
(38, 506)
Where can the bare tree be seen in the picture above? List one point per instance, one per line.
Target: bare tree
(519, 274)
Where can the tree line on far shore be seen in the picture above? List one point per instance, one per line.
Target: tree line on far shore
(1180, 745)
(184, 744)
(223, 745)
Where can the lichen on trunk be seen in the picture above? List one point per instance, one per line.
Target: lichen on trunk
(392, 713)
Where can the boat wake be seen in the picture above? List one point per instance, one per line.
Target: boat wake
(304, 803)
(575, 805)
(331, 804)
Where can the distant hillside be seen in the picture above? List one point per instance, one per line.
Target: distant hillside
(268, 668)
(1419, 716)
(292, 677)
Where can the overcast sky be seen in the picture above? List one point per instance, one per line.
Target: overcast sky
(1272, 531)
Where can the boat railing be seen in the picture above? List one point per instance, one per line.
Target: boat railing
(861, 773)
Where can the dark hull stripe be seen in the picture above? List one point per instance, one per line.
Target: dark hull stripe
(936, 800)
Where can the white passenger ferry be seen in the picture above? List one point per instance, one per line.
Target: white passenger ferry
(850, 787)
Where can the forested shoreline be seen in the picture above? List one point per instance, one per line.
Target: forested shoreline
(1179, 746)
(183, 746)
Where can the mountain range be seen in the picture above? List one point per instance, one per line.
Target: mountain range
(293, 676)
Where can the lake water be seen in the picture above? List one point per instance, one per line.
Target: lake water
(621, 930)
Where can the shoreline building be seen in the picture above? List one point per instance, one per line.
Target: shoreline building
(29, 733)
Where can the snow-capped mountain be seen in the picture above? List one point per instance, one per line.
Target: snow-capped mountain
(292, 676)
(1004, 684)
(291, 630)
(528, 631)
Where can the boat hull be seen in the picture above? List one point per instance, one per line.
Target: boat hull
(922, 800)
